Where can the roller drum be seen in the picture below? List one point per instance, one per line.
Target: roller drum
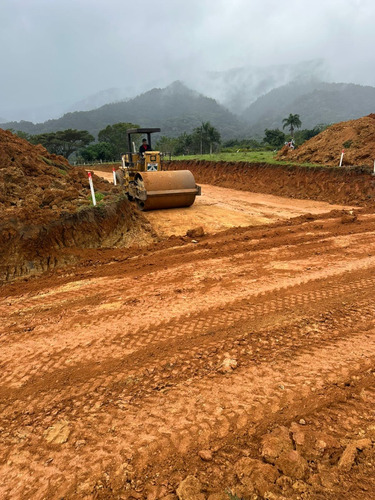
(165, 189)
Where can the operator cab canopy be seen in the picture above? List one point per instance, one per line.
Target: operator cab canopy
(147, 131)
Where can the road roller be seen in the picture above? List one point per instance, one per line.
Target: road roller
(147, 184)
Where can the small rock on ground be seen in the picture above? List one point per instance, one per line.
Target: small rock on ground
(190, 489)
(348, 457)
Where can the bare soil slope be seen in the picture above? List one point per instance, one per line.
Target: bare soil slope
(355, 137)
(45, 208)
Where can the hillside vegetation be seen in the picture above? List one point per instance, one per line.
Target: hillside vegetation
(177, 109)
(315, 102)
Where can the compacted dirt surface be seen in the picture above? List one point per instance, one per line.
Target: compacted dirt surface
(240, 365)
(208, 358)
(222, 208)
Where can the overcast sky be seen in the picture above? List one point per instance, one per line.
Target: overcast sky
(64, 50)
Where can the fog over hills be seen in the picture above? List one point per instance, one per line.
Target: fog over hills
(175, 109)
(237, 88)
(234, 88)
(316, 103)
(240, 102)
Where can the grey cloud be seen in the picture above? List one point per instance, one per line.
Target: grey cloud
(61, 51)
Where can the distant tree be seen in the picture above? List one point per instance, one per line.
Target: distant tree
(19, 133)
(167, 144)
(293, 121)
(201, 140)
(64, 142)
(23, 135)
(115, 135)
(101, 151)
(274, 137)
(204, 138)
(184, 144)
(235, 144)
(210, 135)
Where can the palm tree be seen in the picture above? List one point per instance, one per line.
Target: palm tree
(210, 135)
(292, 122)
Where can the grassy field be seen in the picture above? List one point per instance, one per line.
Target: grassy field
(249, 157)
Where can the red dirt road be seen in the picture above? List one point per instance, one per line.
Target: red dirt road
(220, 208)
(245, 360)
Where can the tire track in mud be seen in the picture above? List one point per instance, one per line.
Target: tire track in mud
(115, 347)
(193, 416)
(117, 414)
(205, 412)
(189, 336)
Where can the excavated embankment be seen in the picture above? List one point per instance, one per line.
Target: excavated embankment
(46, 210)
(27, 249)
(342, 186)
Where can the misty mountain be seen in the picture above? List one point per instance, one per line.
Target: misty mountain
(175, 109)
(237, 88)
(315, 102)
(101, 98)
(234, 89)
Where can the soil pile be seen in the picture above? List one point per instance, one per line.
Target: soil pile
(46, 212)
(37, 186)
(355, 137)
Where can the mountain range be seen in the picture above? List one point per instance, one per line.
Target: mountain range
(316, 103)
(240, 103)
(175, 109)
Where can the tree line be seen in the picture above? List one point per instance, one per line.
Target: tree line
(112, 142)
(205, 139)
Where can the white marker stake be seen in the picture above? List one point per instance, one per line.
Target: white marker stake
(374, 168)
(92, 189)
(342, 156)
(114, 176)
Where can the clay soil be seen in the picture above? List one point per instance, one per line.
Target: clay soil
(46, 208)
(234, 363)
(355, 137)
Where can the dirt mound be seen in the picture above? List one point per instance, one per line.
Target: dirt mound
(355, 137)
(46, 212)
(37, 186)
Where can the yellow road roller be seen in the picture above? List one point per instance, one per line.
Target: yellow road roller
(147, 184)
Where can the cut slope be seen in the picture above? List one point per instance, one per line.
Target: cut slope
(45, 209)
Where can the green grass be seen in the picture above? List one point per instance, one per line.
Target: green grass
(46, 160)
(251, 156)
(98, 197)
(248, 157)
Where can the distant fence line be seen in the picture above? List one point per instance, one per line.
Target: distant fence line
(97, 162)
